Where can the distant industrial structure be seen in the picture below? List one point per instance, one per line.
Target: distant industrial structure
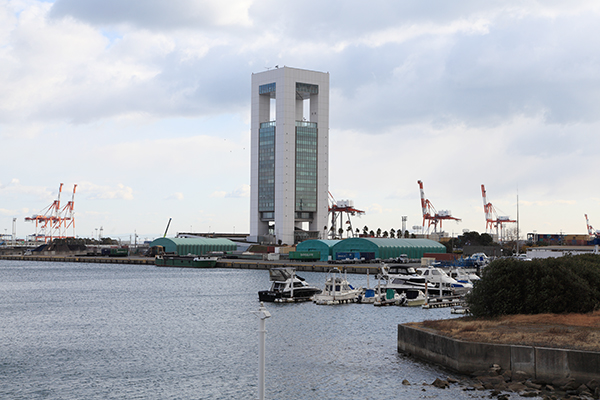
(53, 222)
(341, 211)
(430, 214)
(492, 219)
(289, 155)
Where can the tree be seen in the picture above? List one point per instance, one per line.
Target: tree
(378, 232)
(341, 232)
(385, 234)
(366, 230)
(348, 231)
(392, 233)
(371, 233)
(357, 232)
(407, 234)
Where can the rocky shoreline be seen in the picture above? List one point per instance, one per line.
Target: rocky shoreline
(501, 383)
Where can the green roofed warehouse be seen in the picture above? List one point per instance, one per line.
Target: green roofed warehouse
(325, 247)
(197, 246)
(385, 248)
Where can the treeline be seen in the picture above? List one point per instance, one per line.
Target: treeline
(568, 284)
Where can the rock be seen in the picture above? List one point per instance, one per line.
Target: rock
(516, 386)
(440, 383)
(503, 396)
(583, 389)
(451, 380)
(530, 393)
(550, 388)
(592, 385)
(532, 385)
(494, 380)
(564, 383)
(405, 382)
(496, 368)
(519, 376)
(507, 375)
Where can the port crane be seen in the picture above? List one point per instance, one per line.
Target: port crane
(339, 209)
(492, 219)
(53, 221)
(430, 214)
(590, 229)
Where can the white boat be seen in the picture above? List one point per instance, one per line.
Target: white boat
(337, 290)
(401, 278)
(415, 298)
(440, 284)
(463, 276)
(286, 286)
(390, 298)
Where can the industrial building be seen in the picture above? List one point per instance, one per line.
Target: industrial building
(196, 246)
(369, 248)
(289, 155)
(324, 247)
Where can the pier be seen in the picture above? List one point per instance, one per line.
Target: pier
(222, 263)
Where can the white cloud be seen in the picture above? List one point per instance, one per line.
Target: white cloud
(138, 95)
(93, 191)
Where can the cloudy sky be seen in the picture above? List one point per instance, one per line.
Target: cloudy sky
(145, 105)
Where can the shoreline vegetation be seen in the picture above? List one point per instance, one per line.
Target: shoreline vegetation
(566, 331)
(541, 303)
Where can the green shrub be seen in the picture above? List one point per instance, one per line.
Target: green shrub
(555, 285)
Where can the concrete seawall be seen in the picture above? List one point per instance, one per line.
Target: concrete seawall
(542, 363)
(223, 263)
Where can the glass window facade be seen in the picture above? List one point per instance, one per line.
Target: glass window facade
(266, 167)
(307, 88)
(306, 167)
(268, 88)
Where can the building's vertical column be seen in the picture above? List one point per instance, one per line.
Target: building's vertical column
(319, 111)
(285, 156)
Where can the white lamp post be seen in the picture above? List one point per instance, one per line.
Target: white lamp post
(262, 314)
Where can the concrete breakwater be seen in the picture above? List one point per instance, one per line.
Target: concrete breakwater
(223, 263)
(539, 363)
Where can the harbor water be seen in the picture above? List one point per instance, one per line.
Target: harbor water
(106, 331)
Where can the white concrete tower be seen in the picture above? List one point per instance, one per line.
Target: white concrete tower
(290, 154)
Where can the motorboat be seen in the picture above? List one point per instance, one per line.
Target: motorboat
(390, 298)
(463, 276)
(337, 290)
(401, 278)
(415, 298)
(439, 283)
(286, 286)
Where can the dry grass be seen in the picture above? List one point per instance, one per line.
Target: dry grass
(570, 331)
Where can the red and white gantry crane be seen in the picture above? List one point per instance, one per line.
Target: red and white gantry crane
(492, 220)
(430, 214)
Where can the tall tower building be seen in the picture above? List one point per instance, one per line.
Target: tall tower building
(290, 155)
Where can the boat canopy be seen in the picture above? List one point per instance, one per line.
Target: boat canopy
(280, 274)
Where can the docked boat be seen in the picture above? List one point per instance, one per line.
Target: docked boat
(286, 286)
(440, 284)
(415, 298)
(463, 276)
(337, 290)
(401, 278)
(190, 261)
(390, 298)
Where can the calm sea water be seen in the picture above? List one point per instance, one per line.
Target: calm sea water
(97, 331)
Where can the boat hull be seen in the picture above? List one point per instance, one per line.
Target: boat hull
(185, 262)
(276, 297)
